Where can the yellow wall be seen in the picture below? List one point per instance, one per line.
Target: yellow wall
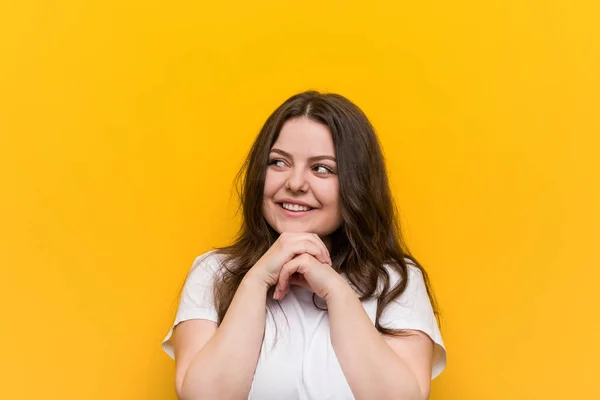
(123, 122)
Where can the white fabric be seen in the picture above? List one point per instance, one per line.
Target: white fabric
(302, 364)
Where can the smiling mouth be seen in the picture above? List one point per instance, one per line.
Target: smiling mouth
(294, 207)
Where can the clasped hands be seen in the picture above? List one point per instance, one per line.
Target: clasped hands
(298, 259)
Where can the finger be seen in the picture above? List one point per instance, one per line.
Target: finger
(312, 248)
(294, 239)
(325, 257)
(296, 279)
(313, 237)
(286, 290)
(287, 270)
(279, 293)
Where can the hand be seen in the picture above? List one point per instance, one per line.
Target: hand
(286, 247)
(305, 270)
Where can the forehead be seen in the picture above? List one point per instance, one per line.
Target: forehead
(303, 136)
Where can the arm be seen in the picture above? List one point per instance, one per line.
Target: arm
(220, 363)
(376, 366)
(223, 367)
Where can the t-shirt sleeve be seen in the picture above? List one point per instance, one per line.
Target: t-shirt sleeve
(413, 310)
(196, 301)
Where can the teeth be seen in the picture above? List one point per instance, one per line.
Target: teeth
(295, 207)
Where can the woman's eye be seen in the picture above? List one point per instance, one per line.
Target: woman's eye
(322, 169)
(277, 162)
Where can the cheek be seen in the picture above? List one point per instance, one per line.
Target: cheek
(271, 184)
(328, 193)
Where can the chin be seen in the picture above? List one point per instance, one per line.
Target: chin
(295, 228)
(292, 228)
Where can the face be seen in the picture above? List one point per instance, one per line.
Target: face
(301, 185)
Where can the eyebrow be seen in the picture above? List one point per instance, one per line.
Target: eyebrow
(314, 158)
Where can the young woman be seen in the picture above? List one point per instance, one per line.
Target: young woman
(318, 297)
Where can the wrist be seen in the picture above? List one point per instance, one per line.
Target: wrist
(255, 280)
(340, 291)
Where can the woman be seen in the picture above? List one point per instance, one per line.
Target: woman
(318, 297)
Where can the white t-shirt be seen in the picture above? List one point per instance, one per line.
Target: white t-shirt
(302, 364)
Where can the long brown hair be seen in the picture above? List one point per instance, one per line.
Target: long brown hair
(370, 235)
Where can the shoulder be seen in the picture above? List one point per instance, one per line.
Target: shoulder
(210, 262)
(415, 288)
(211, 257)
(413, 272)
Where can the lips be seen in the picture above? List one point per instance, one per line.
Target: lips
(295, 207)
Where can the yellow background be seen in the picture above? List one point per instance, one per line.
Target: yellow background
(123, 122)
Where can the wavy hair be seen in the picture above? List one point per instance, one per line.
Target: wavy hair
(370, 235)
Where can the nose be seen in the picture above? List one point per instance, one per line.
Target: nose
(296, 181)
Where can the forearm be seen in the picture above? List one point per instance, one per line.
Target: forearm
(225, 366)
(373, 370)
